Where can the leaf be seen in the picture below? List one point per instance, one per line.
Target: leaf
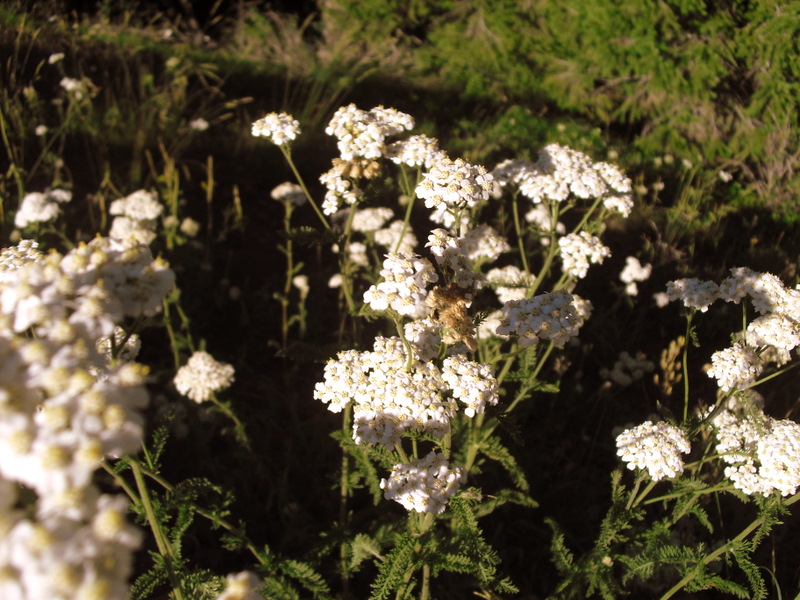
(494, 449)
(393, 568)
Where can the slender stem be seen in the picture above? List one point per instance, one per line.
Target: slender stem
(721, 550)
(406, 220)
(164, 546)
(344, 492)
(287, 153)
(686, 368)
(425, 592)
(520, 238)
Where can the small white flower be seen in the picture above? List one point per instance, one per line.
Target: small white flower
(201, 376)
(655, 447)
(279, 128)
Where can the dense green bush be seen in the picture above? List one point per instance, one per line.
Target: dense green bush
(713, 82)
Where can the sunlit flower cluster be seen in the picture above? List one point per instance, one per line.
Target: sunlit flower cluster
(452, 187)
(560, 171)
(38, 207)
(201, 376)
(472, 383)
(279, 128)
(425, 485)
(403, 288)
(736, 367)
(64, 407)
(362, 134)
(656, 447)
(451, 255)
(415, 151)
(370, 220)
(762, 453)
(552, 316)
(388, 397)
(135, 218)
(578, 250)
(634, 271)
(397, 237)
(693, 292)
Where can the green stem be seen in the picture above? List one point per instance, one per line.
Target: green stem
(407, 218)
(287, 153)
(344, 492)
(685, 362)
(520, 238)
(721, 550)
(164, 546)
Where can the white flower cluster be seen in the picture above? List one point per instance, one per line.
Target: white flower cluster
(552, 316)
(425, 336)
(634, 271)
(279, 128)
(736, 367)
(541, 217)
(483, 243)
(16, 257)
(388, 237)
(403, 288)
(38, 207)
(339, 188)
(388, 397)
(369, 220)
(693, 292)
(578, 250)
(135, 218)
(451, 253)
(245, 585)
(64, 407)
(473, 383)
(762, 453)
(627, 369)
(425, 485)
(76, 89)
(415, 151)
(201, 376)
(452, 187)
(509, 282)
(655, 447)
(362, 134)
(560, 171)
(289, 192)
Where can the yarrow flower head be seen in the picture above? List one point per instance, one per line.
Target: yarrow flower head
(634, 271)
(415, 151)
(242, 586)
(452, 187)
(762, 453)
(554, 316)
(655, 447)
(289, 192)
(736, 367)
(37, 207)
(560, 171)
(279, 128)
(403, 288)
(362, 134)
(580, 249)
(201, 376)
(424, 485)
(693, 292)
